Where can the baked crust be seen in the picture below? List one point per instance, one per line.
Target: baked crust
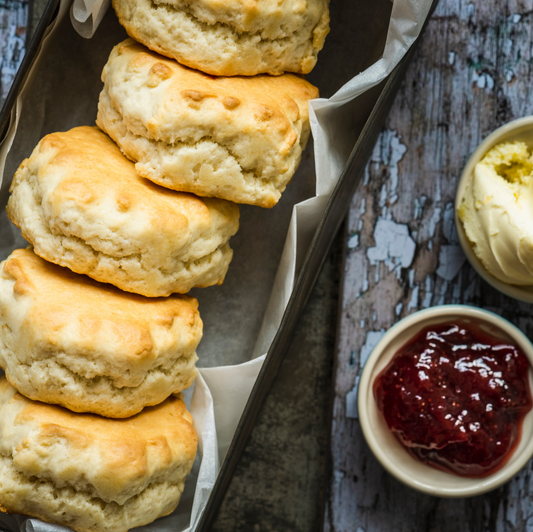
(82, 205)
(92, 473)
(237, 37)
(69, 340)
(236, 138)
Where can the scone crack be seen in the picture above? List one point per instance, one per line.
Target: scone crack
(249, 173)
(69, 493)
(150, 156)
(63, 385)
(238, 35)
(99, 256)
(92, 382)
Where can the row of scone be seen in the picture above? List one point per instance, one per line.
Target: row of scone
(70, 338)
(97, 351)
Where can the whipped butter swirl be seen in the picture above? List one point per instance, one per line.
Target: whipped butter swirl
(497, 213)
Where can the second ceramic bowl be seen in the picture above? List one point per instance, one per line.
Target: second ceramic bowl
(517, 130)
(386, 447)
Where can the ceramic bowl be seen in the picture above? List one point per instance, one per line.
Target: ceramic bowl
(517, 130)
(390, 452)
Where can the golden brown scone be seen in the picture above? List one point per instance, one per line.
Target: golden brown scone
(238, 138)
(66, 339)
(91, 473)
(231, 37)
(82, 205)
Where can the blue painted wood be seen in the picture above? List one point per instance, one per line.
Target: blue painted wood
(471, 74)
(13, 23)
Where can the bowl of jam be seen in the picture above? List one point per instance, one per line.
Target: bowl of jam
(445, 401)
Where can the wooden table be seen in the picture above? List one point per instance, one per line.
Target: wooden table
(471, 73)
(13, 23)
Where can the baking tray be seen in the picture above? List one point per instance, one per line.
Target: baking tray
(365, 130)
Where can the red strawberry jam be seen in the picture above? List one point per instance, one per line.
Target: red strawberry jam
(455, 396)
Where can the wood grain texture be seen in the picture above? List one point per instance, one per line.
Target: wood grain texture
(471, 74)
(13, 21)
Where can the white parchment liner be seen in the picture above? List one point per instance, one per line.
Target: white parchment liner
(220, 393)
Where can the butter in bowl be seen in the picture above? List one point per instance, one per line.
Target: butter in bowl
(494, 209)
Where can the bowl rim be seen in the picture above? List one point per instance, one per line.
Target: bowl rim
(478, 485)
(522, 293)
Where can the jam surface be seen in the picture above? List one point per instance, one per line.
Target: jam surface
(455, 396)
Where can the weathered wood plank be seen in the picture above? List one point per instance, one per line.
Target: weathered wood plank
(471, 73)
(13, 21)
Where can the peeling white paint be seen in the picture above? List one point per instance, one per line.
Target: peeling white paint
(471, 9)
(509, 75)
(437, 195)
(508, 46)
(483, 80)
(364, 288)
(371, 339)
(366, 177)
(419, 206)
(448, 224)
(375, 158)
(362, 211)
(389, 151)
(516, 18)
(428, 295)
(397, 150)
(433, 221)
(413, 301)
(338, 475)
(399, 308)
(383, 196)
(451, 260)
(351, 400)
(451, 58)
(394, 246)
(353, 241)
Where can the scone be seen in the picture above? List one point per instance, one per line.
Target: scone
(82, 205)
(91, 473)
(66, 339)
(233, 37)
(240, 139)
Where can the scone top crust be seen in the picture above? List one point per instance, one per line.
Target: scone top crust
(174, 103)
(60, 311)
(258, 126)
(109, 458)
(85, 179)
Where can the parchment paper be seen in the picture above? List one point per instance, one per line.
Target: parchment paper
(242, 316)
